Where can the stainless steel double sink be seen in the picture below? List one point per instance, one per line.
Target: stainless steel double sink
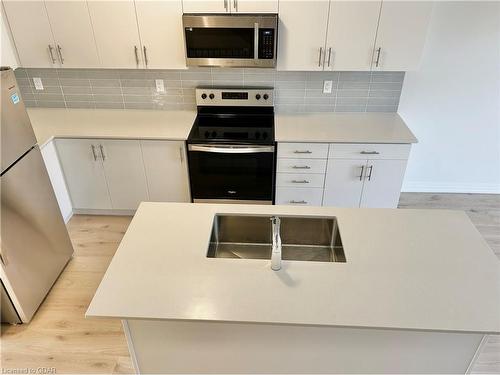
(314, 239)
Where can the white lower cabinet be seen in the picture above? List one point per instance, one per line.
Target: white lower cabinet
(120, 174)
(166, 171)
(84, 173)
(341, 174)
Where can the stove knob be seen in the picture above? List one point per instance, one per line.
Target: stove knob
(214, 134)
(257, 96)
(257, 135)
(203, 96)
(264, 135)
(266, 96)
(207, 134)
(211, 96)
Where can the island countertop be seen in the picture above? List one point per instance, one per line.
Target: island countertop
(405, 269)
(51, 123)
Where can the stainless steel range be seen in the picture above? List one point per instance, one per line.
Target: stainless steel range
(231, 148)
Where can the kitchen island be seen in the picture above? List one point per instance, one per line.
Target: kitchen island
(418, 291)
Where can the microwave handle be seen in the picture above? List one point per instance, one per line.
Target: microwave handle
(256, 40)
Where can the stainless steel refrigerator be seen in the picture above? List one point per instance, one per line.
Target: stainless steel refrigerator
(34, 243)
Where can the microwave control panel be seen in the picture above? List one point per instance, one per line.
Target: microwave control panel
(266, 43)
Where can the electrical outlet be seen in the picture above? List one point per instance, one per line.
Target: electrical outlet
(327, 87)
(37, 81)
(160, 85)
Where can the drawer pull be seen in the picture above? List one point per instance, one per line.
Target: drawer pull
(300, 181)
(302, 152)
(369, 153)
(298, 202)
(301, 167)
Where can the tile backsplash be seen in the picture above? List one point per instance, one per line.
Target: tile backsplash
(136, 89)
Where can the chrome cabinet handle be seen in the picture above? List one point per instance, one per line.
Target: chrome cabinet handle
(298, 202)
(320, 53)
(181, 154)
(145, 56)
(102, 153)
(93, 152)
(300, 182)
(369, 153)
(370, 174)
(235, 4)
(301, 167)
(52, 54)
(302, 152)
(329, 55)
(59, 51)
(361, 174)
(225, 5)
(377, 60)
(136, 51)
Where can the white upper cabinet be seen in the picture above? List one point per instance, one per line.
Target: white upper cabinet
(31, 32)
(160, 25)
(206, 6)
(116, 33)
(352, 28)
(302, 34)
(254, 6)
(401, 35)
(75, 45)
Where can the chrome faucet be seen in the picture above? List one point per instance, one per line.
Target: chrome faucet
(276, 251)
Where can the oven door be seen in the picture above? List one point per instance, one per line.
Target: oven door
(231, 172)
(230, 41)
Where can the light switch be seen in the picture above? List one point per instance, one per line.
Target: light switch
(327, 87)
(37, 81)
(160, 85)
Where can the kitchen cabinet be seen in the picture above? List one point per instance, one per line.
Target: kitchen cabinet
(124, 171)
(230, 6)
(352, 28)
(344, 182)
(84, 173)
(52, 34)
(116, 33)
(401, 35)
(166, 170)
(302, 35)
(160, 25)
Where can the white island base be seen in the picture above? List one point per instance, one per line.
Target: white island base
(165, 346)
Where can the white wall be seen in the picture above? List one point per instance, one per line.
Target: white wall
(8, 55)
(452, 103)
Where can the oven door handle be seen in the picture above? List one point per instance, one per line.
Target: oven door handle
(231, 149)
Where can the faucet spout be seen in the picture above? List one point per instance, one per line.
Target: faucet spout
(276, 250)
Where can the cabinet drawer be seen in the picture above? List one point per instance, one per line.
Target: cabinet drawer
(299, 196)
(369, 151)
(301, 165)
(311, 180)
(303, 150)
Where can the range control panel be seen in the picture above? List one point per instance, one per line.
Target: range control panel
(235, 97)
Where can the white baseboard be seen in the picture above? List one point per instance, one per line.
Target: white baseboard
(427, 187)
(68, 217)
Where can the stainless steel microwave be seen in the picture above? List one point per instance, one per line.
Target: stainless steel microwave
(231, 40)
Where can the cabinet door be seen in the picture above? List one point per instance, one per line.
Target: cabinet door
(344, 182)
(383, 181)
(160, 27)
(254, 6)
(401, 34)
(124, 170)
(166, 171)
(75, 44)
(84, 173)
(116, 33)
(31, 32)
(352, 27)
(302, 34)
(206, 6)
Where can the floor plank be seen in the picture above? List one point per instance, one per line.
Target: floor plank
(60, 336)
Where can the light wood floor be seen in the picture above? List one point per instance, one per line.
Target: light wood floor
(61, 337)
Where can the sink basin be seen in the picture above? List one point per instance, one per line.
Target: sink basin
(315, 239)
